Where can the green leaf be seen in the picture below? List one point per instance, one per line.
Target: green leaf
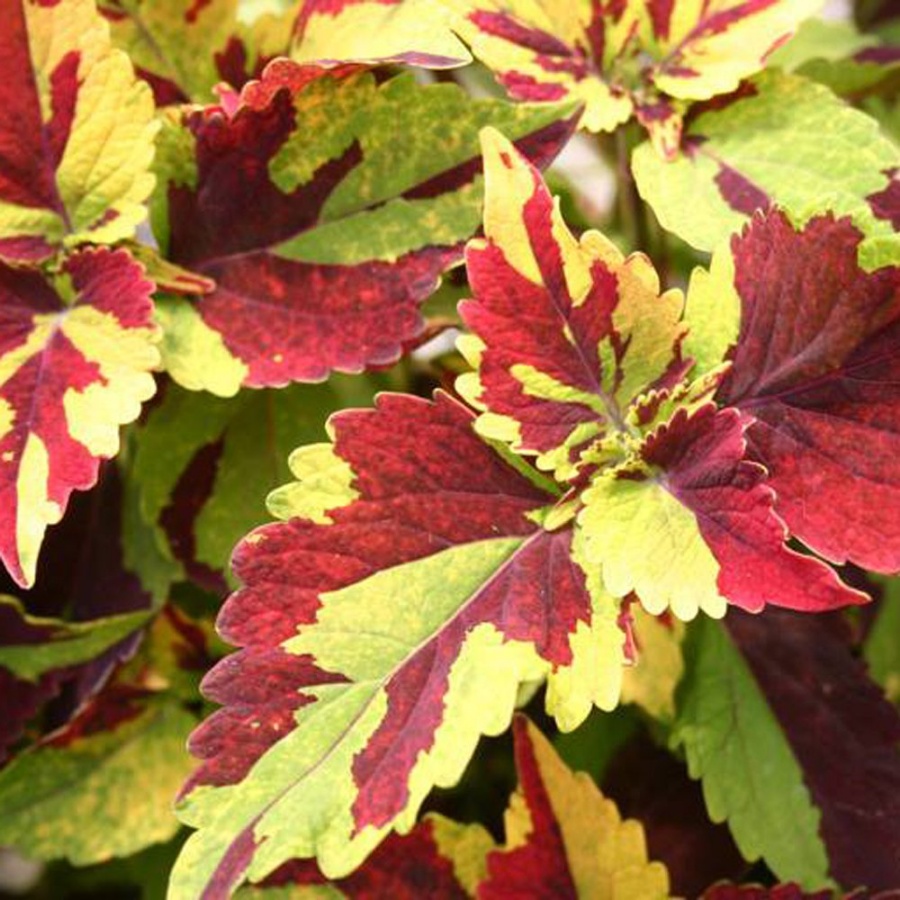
(89, 797)
(62, 643)
(782, 139)
(751, 777)
(882, 647)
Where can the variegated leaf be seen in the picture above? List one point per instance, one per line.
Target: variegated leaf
(76, 138)
(76, 350)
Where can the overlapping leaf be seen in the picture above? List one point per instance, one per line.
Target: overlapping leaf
(619, 58)
(76, 140)
(836, 54)
(183, 49)
(39, 654)
(796, 747)
(564, 838)
(817, 365)
(203, 465)
(322, 231)
(649, 784)
(76, 352)
(430, 581)
(72, 794)
(589, 381)
(420, 562)
(598, 334)
(780, 140)
(438, 858)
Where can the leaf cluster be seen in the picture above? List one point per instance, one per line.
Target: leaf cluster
(449, 448)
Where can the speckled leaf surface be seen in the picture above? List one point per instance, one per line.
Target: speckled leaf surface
(564, 838)
(780, 139)
(76, 140)
(73, 795)
(75, 359)
(322, 231)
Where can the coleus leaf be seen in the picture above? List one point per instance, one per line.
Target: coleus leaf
(102, 786)
(203, 465)
(76, 350)
(648, 783)
(33, 646)
(183, 49)
(323, 235)
(589, 381)
(744, 153)
(564, 838)
(773, 707)
(39, 655)
(619, 58)
(816, 363)
(882, 646)
(460, 565)
(438, 858)
(76, 140)
(415, 32)
(471, 598)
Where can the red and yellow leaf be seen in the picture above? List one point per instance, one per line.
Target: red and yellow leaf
(322, 233)
(597, 335)
(75, 358)
(697, 528)
(76, 139)
(425, 578)
(420, 561)
(817, 366)
(564, 838)
(707, 48)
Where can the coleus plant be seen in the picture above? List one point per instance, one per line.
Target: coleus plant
(597, 516)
